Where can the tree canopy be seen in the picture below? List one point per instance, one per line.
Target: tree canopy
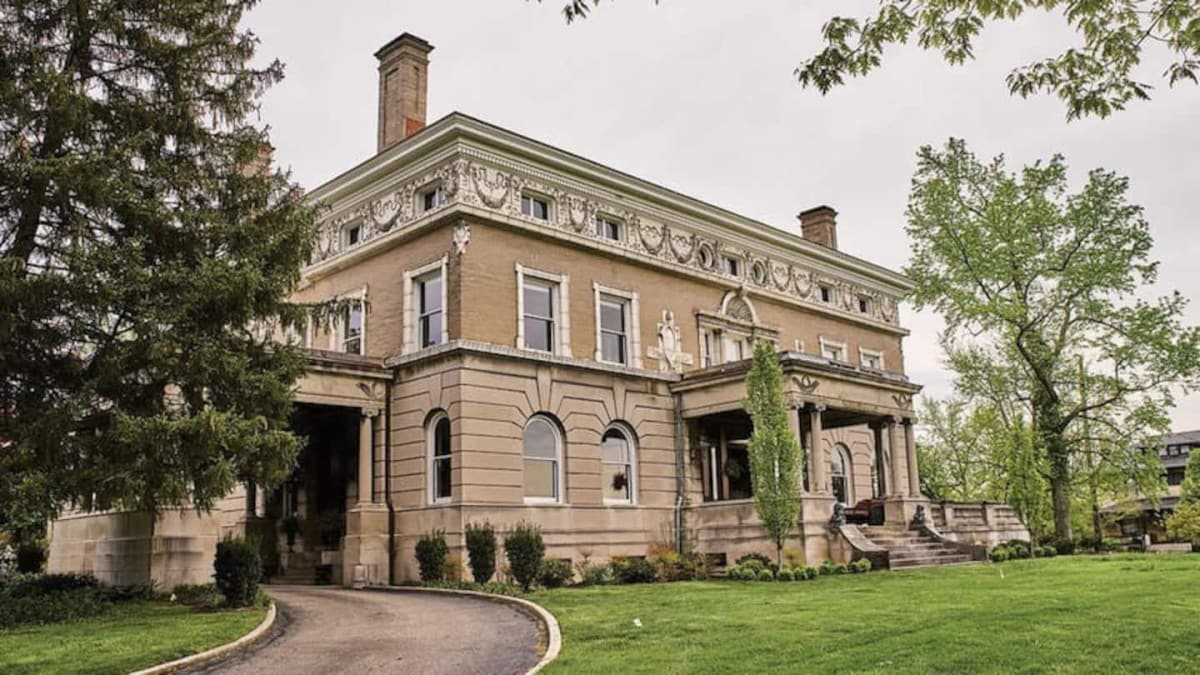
(143, 239)
(774, 450)
(1041, 290)
(1098, 77)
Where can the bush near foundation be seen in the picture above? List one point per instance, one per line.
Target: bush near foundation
(32, 599)
(31, 556)
(481, 551)
(524, 549)
(237, 570)
(431, 553)
(555, 572)
(631, 570)
(860, 566)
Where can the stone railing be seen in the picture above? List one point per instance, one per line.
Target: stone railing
(982, 523)
(848, 543)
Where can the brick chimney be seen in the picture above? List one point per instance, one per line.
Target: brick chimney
(403, 83)
(819, 225)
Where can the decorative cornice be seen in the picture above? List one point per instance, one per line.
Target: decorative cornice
(482, 165)
(533, 355)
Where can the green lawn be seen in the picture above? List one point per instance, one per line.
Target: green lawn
(132, 636)
(1125, 613)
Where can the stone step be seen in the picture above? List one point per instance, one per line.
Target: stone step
(930, 561)
(897, 554)
(941, 564)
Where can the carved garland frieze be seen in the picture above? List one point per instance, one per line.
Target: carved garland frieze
(498, 189)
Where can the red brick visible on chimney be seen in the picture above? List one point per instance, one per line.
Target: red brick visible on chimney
(819, 225)
(403, 86)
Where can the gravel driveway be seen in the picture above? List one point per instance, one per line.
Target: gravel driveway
(335, 630)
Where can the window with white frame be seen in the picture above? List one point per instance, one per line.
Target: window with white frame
(535, 207)
(617, 465)
(543, 323)
(424, 319)
(433, 197)
(350, 333)
(541, 451)
(870, 358)
(839, 465)
(617, 339)
(708, 338)
(430, 317)
(834, 351)
(438, 439)
(608, 228)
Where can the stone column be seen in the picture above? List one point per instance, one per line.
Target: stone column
(910, 456)
(366, 438)
(880, 463)
(895, 455)
(794, 424)
(820, 467)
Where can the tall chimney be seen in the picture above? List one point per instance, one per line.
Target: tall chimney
(403, 82)
(819, 225)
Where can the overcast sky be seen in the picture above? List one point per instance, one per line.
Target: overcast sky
(700, 97)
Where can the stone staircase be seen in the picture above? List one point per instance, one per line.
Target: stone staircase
(911, 548)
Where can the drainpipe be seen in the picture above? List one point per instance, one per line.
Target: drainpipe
(387, 481)
(680, 444)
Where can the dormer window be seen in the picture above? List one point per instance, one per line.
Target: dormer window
(433, 198)
(535, 207)
(732, 266)
(608, 228)
(353, 235)
(826, 294)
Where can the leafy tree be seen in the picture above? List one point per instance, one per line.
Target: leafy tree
(143, 238)
(1184, 523)
(1030, 277)
(774, 450)
(1097, 78)
(1189, 489)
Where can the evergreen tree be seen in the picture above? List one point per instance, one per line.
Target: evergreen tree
(146, 252)
(774, 450)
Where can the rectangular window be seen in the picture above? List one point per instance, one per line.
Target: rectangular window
(353, 235)
(864, 305)
(826, 294)
(539, 315)
(429, 308)
(733, 266)
(433, 198)
(535, 207)
(709, 356)
(870, 359)
(614, 335)
(835, 351)
(608, 228)
(352, 328)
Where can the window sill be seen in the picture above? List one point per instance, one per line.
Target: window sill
(543, 501)
(620, 503)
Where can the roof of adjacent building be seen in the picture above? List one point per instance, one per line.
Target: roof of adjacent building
(1182, 438)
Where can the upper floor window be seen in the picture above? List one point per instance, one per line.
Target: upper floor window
(614, 332)
(732, 265)
(864, 304)
(535, 207)
(826, 294)
(835, 351)
(353, 234)
(708, 339)
(870, 358)
(608, 228)
(433, 198)
(440, 488)
(429, 309)
(617, 470)
(541, 450)
(352, 328)
(540, 314)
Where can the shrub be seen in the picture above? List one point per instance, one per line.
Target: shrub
(481, 551)
(1018, 551)
(998, 554)
(809, 573)
(762, 560)
(1048, 552)
(43, 608)
(21, 585)
(524, 549)
(591, 574)
(734, 573)
(197, 595)
(860, 566)
(31, 556)
(785, 574)
(827, 567)
(431, 555)
(1064, 546)
(237, 569)
(668, 564)
(631, 570)
(555, 572)
(752, 565)
(766, 575)
(693, 566)
(452, 569)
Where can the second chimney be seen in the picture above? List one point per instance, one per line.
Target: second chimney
(403, 83)
(819, 225)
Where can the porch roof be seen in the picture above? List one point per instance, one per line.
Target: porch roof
(347, 380)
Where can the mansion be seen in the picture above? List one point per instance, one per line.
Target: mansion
(533, 336)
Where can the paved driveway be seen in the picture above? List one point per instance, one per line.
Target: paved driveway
(334, 630)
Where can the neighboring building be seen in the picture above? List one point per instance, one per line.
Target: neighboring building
(1140, 516)
(544, 338)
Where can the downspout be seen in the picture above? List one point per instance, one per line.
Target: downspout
(680, 448)
(387, 481)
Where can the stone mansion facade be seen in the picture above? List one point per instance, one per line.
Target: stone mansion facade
(537, 337)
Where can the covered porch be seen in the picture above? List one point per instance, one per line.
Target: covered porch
(855, 426)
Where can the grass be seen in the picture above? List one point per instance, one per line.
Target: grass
(131, 636)
(1091, 614)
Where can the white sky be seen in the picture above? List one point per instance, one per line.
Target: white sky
(700, 97)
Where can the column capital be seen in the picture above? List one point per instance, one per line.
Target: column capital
(369, 412)
(815, 407)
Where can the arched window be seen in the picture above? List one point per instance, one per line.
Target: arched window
(617, 465)
(438, 441)
(542, 453)
(839, 465)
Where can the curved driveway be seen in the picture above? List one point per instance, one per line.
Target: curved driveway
(333, 630)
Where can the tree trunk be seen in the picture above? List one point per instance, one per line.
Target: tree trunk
(1048, 423)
